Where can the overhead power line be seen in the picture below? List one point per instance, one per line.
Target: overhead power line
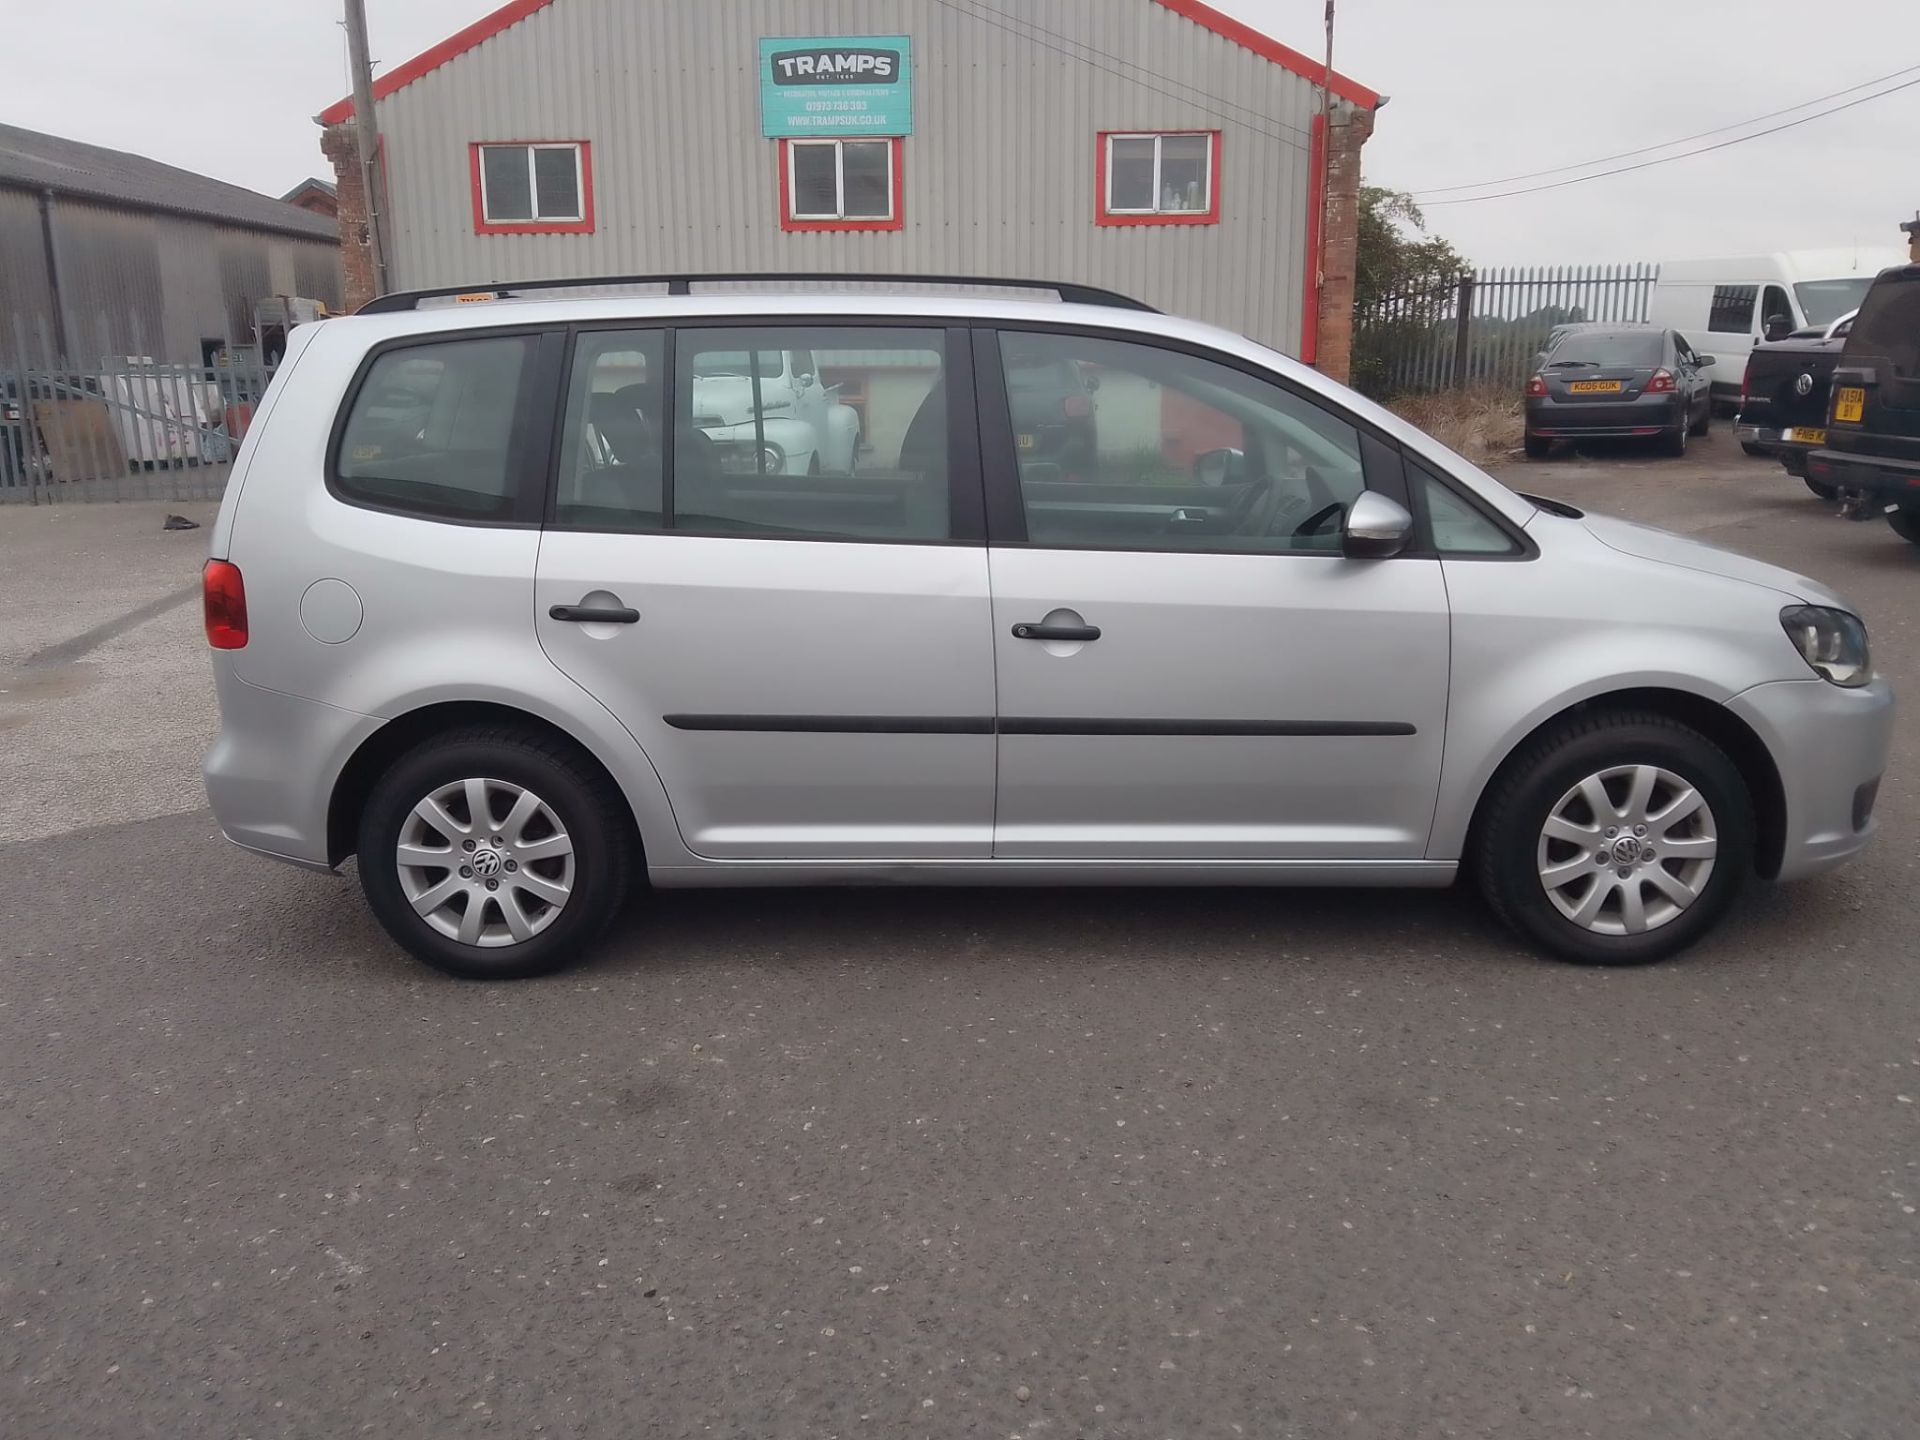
(1669, 159)
(1665, 144)
(1259, 123)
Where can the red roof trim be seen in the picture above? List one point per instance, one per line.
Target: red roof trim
(1269, 48)
(512, 13)
(485, 28)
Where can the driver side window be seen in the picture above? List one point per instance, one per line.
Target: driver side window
(1126, 446)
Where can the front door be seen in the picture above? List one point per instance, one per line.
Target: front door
(805, 658)
(1188, 668)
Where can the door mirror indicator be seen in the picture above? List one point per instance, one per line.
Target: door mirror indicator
(1376, 527)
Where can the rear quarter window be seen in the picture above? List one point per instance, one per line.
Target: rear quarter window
(1888, 327)
(429, 429)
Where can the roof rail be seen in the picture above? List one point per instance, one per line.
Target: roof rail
(1068, 292)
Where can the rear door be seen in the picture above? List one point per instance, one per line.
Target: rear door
(1188, 668)
(1876, 388)
(805, 658)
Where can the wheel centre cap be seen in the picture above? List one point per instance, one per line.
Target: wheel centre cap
(486, 862)
(1626, 850)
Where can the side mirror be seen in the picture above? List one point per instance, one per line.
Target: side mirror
(1703, 362)
(803, 378)
(1376, 527)
(1092, 382)
(1778, 327)
(1219, 467)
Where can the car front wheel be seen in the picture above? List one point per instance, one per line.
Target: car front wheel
(1616, 838)
(1906, 524)
(494, 854)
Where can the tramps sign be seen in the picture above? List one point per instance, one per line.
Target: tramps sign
(836, 85)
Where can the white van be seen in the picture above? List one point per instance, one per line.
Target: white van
(1724, 306)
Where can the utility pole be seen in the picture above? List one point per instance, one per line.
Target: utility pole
(1325, 177)
(366, 138)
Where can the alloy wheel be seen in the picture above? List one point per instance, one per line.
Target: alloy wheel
(1627, 850)
(485, 862)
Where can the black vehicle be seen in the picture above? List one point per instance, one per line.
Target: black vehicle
(1629, 381)
(1783, 399)
(1052, 404)
(1872, 455)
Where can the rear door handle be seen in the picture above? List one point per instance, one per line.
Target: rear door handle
(1039, 630)
(597, 614)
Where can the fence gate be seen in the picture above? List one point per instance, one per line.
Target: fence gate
(1488, 326)
(95, 426)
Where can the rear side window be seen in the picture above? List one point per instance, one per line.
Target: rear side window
(1888, 328)
(1641, 348)
(431, 426)
(1732, 312)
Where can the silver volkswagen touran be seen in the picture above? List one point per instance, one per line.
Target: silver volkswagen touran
(524, 601)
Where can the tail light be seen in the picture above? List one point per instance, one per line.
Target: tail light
(1661, 383)
(224, 596)
(1076, 407)
(1746, 379)
(1536, 386)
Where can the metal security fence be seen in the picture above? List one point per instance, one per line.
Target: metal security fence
(1488, 327)
(102, 426)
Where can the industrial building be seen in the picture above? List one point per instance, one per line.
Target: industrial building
(106, 255)
(1154, 147)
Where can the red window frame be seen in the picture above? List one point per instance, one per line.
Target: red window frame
(484, 226)
(897, 149)
(1104, 216)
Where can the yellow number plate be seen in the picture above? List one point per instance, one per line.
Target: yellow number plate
(1595, 387)
(1807, 435)
(1849, 403)
(1025, 442)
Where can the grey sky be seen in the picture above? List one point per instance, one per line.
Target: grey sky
(1480, 89)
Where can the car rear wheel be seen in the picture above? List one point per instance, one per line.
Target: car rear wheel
(1538, 447)
(1674, 442)
(1825, 492)
(1906, 524)
(494, 854)
(1616, 839)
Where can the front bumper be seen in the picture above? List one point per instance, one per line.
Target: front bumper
(1646, 415)
(271, 770)
(1830, 745)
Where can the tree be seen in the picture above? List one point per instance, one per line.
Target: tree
(1403, 284)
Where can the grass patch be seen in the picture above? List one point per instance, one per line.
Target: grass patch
(1484, 425)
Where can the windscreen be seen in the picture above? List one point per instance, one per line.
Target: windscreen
(1639, 348)
(1825, 301)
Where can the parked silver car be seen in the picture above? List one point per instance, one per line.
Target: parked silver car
(490, 609)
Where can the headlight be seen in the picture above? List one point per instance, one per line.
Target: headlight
(1833, 642)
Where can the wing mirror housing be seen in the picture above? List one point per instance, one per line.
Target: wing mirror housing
(1219, 467)
(1703, 362)
(1376, 527)
(1778, 327)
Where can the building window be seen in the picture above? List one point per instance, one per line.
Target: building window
(532, 186)
(841, 184)
(1170, 178)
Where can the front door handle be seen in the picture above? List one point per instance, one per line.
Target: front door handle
(1040, 630)
(597, 614)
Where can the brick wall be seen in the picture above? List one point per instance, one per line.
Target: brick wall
(356, 253)
(1351, 127)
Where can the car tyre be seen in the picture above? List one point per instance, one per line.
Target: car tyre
(575, 838)
(1906, 524)
(1538, 447)
(1533, 875)
(1704, 425)
(1825, 492)
(1674, 442)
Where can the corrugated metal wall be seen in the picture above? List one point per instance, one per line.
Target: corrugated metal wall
(143, 283)
(1008, 98)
